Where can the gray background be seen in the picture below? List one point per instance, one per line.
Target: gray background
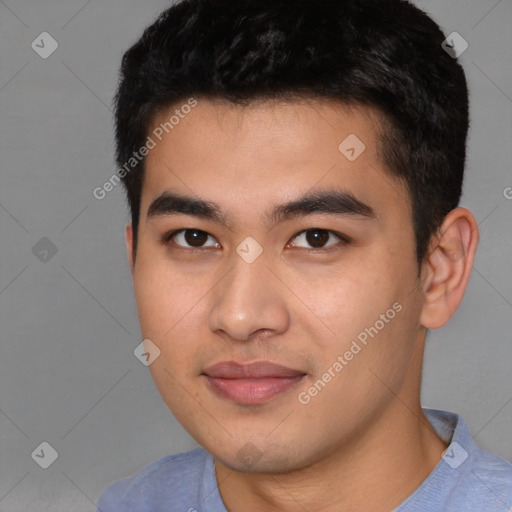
(68, 375)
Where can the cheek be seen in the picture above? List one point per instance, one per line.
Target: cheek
(177, 394)
(370, 323)
(346, 300)
(364, 371)
(169, 304)
(162, 295)
(154, 304)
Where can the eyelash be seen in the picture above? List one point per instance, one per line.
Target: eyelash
(344, 240)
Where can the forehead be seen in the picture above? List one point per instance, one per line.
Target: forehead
(252, 157)
(293, 128)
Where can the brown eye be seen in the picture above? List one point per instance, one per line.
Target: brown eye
(318, 238)
(189, 238)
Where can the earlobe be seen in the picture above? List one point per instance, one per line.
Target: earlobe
(449, 267)
(129, 244)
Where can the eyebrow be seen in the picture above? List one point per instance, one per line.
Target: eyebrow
(332, 202)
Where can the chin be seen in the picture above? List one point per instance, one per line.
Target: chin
(263, 466)
(256, 457)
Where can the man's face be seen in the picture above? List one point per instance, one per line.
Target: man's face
(207, 295)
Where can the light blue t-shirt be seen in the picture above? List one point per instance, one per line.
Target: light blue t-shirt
(467, 479)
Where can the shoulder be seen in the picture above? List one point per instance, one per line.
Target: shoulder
(174, 478)
(484, 478)
(490, 478)
(468, 477)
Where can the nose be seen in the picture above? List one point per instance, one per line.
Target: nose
(248, 300)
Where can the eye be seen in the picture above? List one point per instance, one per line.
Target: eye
(318, 238)
(194, 237)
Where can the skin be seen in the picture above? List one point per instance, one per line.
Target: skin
(296, 307)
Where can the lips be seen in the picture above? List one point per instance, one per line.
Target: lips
(252, 383)
(257, 370)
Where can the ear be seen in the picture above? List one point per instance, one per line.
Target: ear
(448, 267)
(129, 244)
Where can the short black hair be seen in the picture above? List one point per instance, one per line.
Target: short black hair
(385, 54)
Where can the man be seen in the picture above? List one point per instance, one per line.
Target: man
(294, 171)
